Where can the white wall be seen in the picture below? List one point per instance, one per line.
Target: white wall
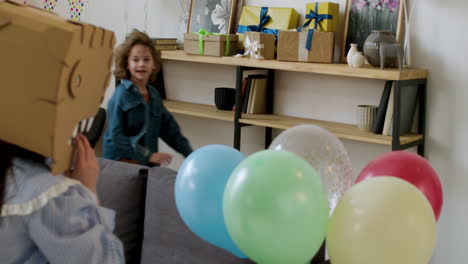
(438, 44)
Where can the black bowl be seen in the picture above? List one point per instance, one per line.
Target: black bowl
(225, 98)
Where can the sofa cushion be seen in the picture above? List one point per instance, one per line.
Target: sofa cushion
(122, 187)
(167, 239)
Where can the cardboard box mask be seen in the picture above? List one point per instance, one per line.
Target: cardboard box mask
(53, 74)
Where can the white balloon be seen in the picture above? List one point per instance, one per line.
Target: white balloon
(325, 152)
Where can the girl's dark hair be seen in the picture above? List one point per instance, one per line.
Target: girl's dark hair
(7, 153)
(123, 51)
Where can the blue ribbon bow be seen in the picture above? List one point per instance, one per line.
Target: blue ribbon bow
(318, 18)
(264, 18)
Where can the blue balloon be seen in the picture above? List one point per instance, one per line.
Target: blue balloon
(199, 193)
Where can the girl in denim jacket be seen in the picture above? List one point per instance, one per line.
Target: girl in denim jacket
(136, 115)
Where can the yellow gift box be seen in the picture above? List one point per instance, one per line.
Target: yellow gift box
(280, 17)
(255, 18)
(322, 9)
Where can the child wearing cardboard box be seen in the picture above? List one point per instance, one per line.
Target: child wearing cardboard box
(53, 219)
(45, 215)
(136, 115)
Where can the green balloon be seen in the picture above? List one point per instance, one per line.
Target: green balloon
(275, 208)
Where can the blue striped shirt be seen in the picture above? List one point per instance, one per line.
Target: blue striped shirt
(54, 219)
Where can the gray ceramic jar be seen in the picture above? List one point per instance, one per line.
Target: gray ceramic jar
(372, 47)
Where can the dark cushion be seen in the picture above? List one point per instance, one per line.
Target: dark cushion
(167, 240)
(122, 187)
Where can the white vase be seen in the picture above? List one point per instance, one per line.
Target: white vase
(366, 116)
(357, 60)
(351, 52)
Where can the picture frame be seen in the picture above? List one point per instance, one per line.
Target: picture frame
(184, 7)
(216, 16)
(237, 15)
(363, 16)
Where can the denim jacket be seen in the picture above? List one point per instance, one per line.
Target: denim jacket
(131, 120)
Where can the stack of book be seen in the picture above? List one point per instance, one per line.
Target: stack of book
(254, 94)
(408, 106)
(165, 43)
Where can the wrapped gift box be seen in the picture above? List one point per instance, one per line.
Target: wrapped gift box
(280, 17)
(211, 45)
(325, 8)
(253, 19)
(262, 43)
(292, 46)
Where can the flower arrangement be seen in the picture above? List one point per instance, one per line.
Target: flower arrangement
(220, 16)
(390, 5)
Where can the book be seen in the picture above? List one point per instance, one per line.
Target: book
(259, 97)
(382, 109)
(408, 103)
(389, 113)
(248, 88)
(251, 92)
(244, 85)
(164, 41)
(245, 97)
(407, 109)
(165, 46)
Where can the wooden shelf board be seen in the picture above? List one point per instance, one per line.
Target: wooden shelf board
(199, 110)
(320, 68)
(345, 131)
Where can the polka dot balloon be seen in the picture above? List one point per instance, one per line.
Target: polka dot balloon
(49, 4)
(76, 8)
(325, 152)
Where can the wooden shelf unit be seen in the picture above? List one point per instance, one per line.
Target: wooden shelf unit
(319, 68)
(345, 131)
(199, 110)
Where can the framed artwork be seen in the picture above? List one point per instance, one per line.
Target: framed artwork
(184, 7)
(216, 16)
(235, 25)
(363, 16)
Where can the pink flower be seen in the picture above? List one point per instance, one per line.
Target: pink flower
(391, 5)
(358, 5)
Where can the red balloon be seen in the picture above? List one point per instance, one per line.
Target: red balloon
(410, 167)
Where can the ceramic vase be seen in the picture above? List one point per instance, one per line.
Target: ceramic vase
(372, 47)
(351, 52)
(357, 61)
(225, 98)
(366, 116)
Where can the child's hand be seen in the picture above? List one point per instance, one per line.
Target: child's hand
(85, 167)
(161, 158)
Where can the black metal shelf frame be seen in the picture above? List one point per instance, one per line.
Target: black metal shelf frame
(398, 85)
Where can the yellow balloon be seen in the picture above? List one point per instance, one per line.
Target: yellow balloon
(383, 220)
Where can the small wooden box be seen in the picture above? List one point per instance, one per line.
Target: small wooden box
(266, 41)
(292, 46)
(212, 45)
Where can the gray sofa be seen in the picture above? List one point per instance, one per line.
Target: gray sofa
(147, 220)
